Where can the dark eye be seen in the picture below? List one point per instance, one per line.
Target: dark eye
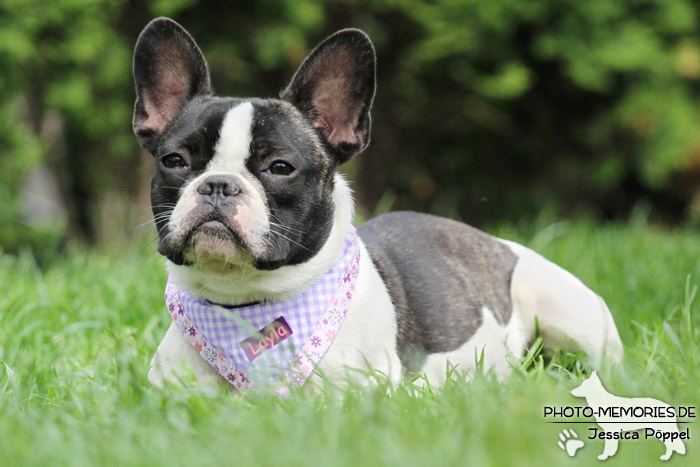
(172, 161)
(281, 168)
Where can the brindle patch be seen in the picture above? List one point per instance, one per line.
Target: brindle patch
(440, 274)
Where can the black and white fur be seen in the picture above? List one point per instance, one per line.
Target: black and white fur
(249, 207)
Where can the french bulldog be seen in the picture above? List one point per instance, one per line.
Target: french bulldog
(251, 211)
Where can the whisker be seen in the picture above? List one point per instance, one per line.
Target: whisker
(289, 239)
(294, 220)
(148, 222)
(288, 229)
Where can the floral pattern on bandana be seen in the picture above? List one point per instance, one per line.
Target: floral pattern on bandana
(329, 320)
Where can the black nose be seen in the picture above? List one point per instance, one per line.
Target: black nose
(218, 186)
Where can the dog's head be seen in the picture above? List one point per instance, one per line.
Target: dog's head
(248, 183)
(587, 386)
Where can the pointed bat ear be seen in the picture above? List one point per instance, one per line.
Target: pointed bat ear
(334, 88)
(169, 71)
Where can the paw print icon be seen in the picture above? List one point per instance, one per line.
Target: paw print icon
(569, 442)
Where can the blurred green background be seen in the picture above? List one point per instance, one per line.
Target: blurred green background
(486, 109)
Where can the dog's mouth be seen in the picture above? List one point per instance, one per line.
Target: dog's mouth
(215, 228)
(212, 237)
(213, 225)
(213, 240)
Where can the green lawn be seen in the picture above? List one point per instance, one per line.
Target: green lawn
(77, 336)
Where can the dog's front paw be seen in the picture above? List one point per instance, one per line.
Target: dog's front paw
(155, 377)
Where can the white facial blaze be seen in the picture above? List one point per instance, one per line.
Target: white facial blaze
(233, 148)
(230, 155)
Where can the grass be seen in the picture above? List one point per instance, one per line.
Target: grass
(77, 336)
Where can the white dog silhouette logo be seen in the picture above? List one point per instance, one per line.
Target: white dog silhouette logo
(619, 415)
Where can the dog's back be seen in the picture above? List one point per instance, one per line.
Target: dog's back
(440, 274)
(448, 281)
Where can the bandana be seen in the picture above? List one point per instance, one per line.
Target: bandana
(269, 342)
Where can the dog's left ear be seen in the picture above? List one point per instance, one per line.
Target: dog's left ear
(334, 88)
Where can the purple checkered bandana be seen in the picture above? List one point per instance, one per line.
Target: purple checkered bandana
(270, 342)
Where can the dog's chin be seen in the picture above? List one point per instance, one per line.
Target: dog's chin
(213, 246)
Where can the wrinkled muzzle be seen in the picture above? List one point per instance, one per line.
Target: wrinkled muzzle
(220, 218)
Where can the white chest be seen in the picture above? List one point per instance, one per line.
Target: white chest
(367, 338)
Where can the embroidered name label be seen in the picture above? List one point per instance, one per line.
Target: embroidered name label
(266, 338)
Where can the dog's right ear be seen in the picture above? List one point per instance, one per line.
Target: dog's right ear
(169, 71)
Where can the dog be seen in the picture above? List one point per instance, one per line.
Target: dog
(614, 425)
(257, 227)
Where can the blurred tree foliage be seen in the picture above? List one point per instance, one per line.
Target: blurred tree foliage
(486, 109)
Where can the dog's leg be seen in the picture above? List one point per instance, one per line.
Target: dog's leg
(175, 355)
(672, 446)
(669, 450)
(609, 449)
(570, 315)
(367, 338)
